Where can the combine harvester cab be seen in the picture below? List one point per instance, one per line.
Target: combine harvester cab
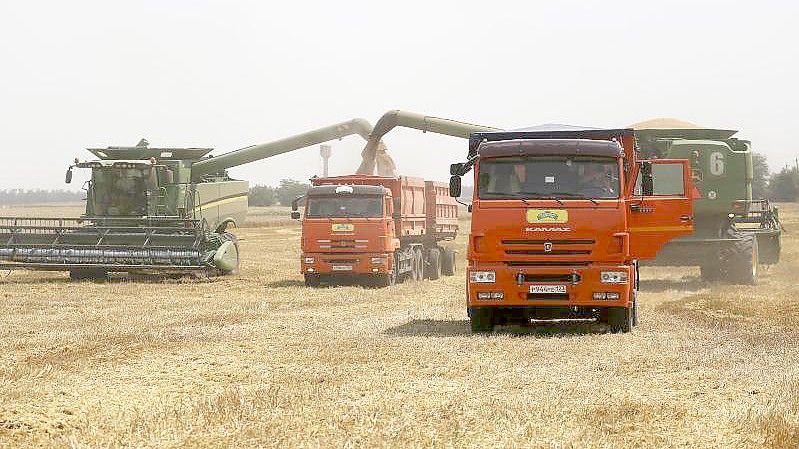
(733, 232)
(560, 217)
(376, 229)
(151, 211)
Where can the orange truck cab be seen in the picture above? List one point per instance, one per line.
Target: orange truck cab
(376, 229)
(560, 218)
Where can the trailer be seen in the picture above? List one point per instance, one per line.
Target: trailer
(376, 230)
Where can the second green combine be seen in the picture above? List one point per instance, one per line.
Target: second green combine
(734, 233)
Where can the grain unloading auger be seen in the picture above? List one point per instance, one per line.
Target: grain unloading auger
(374, 153)
(151, 210)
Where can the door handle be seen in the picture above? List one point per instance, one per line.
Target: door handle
(685, 218)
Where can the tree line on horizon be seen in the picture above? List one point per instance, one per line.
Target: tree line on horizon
(10, 197)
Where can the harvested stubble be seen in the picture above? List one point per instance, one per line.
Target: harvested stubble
(259, 360)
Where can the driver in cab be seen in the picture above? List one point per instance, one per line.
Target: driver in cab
(597, 182)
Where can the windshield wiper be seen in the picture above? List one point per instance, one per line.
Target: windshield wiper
(503, 195)
(544, 196)
(577, 195)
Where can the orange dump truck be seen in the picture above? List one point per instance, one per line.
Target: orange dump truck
(560, 218)
(376, 229)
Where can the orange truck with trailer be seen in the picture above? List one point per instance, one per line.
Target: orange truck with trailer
(376, 230)
(560, 218)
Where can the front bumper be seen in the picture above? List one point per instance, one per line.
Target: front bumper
(579, 284)
(346, 264)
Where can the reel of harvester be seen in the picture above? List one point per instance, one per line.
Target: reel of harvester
(94, 247)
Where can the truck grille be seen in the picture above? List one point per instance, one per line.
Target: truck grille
(562, 278)
(554, 242)
(554, 252)
(342, 244)
(541, 247)
(340, 260)
(538, 263)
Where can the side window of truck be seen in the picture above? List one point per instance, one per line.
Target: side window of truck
(667, 180)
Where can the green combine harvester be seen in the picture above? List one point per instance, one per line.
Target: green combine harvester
(734, 233)
(151, 211)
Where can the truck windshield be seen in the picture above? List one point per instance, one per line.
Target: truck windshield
(339, 206)
(548, 177)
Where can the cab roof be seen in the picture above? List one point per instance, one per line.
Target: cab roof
(550, 147)
(551, 131)
(141, 152)
(346, 189)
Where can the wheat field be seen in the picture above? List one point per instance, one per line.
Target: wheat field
(258, 360)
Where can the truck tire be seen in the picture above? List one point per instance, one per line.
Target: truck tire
(312, 280)
(635, 309)
(388, 279)
(482, 319)
(434, 268)
(418, 265)
(620, 319)
(738, 261)
(448, 262)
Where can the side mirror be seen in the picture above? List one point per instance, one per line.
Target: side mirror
(295, 215)
(647, 183)
(456, 169)
(295, 205)
(455, 186)
(68, 178)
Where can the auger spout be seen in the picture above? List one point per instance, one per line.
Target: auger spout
(425, 123)
(257, 152)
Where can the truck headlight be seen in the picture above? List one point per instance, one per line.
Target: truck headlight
(308, 259)
(483, 277)
(378, 260)
(613, 277)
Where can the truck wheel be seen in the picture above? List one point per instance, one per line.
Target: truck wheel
(418, 265)
(434, 269)
(620, 319)
(448, 262)
(386, 280)
(93, 274)
(312, 280)
(482, 319)
(739, 260)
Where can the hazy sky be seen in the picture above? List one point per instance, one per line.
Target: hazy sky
(227, 74)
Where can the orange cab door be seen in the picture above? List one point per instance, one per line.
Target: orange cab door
(660, 208)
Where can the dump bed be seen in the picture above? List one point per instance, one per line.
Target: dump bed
(442, 210)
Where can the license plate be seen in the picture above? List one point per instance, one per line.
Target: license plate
(548, 289)
(342, 267)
